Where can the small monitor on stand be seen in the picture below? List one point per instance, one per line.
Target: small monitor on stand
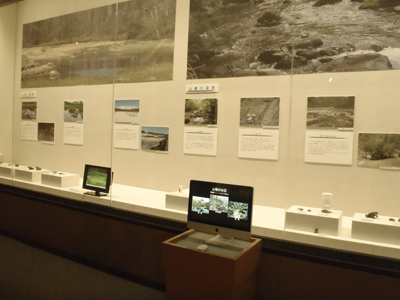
(221, 209)
(98, 179)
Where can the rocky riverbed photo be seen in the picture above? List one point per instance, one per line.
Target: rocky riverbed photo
(234, 38)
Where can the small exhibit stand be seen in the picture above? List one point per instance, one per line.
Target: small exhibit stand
(219, 272)
(383, 229)
(60, 179)
(25, 174)
(312, 219)
(6, 170)
(177, 200)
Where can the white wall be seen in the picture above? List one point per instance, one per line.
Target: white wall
(8, 27)
(277, 183)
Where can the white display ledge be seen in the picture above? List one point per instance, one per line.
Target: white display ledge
(383, 229)
(268, 222)
(312, 219)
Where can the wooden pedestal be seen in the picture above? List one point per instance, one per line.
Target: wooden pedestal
(217, 273)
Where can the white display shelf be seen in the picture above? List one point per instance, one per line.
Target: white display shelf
(60, 179)
(6, 170)
(380, 230)
(311, 219)
(144, 201)
(268, 222)
(25, 174)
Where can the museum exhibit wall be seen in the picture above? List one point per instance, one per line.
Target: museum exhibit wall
(278, 183)
(8, 27)
(97, 99)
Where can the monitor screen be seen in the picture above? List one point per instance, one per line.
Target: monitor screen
(220, 208)
(97, 179)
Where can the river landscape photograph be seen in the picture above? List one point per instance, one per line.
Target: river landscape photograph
(29, 110)
(330, 112)
(154, 138)
(73, 111)
(236, 38)
(93, 47)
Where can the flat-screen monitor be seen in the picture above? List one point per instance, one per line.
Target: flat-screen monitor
(97, 179)
(221, 209)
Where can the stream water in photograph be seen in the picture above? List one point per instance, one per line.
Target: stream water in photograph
(150, 141)
(76, 116)
(344, 22)
(106, 65)
(234, 28)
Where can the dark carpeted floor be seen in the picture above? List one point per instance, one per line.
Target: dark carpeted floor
(28, 273)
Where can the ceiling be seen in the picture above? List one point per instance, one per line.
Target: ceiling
(7, 2)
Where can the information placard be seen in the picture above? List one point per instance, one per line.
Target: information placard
(126, 136)
(200, 141)
(329, 147)
(29, 131)
(258, 143)
(73, 133)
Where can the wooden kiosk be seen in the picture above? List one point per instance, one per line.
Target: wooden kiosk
(220, 272)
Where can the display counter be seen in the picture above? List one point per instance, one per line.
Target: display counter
(268, 224)
(125, 237)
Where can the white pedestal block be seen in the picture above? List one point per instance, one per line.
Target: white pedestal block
(379, 230)
(60, 179)
(24, 174)
(311, 219)
(6, 170)
(178, 201)
(1, 158)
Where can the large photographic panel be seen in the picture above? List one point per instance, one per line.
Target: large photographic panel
(82, 49)
(232, 38)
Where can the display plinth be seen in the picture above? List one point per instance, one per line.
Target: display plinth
(60, 179)
(177, 200)
(311, 219)
(218, 273)
(6, 171)
(380, 230)
(24, 174)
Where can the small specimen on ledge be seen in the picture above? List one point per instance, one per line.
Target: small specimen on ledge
(392, 220)
(372, 215)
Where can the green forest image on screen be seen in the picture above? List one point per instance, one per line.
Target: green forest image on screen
(96, 178)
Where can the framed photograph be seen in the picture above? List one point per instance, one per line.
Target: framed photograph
(127, 111)
(330, 112)
(155, 138)
(201, 111)
(73, 111)
(379, 150)
(262, 111)
(46, 132)
(29, 111)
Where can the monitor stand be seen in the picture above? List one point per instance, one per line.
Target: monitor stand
(96, 193)
(220, 240)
